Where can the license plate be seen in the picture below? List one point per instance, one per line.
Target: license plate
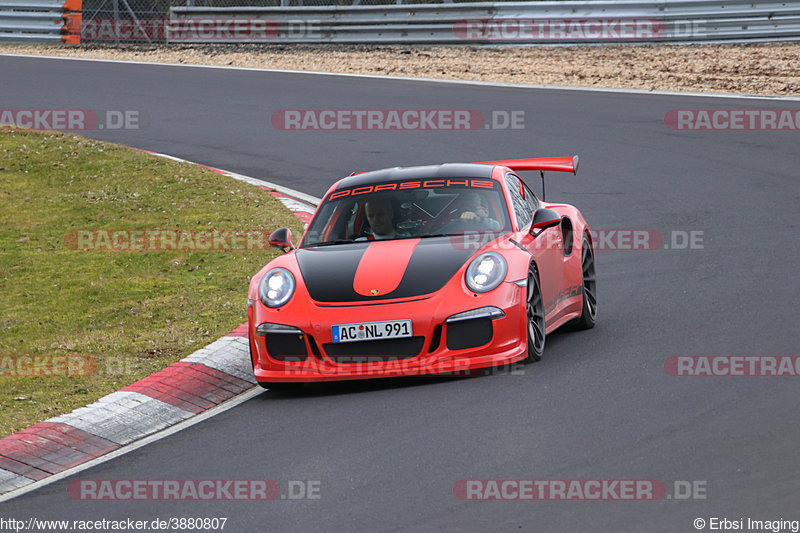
(370, 331)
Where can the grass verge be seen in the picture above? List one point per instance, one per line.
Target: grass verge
(131, 312)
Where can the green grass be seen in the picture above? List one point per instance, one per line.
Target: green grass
(133, 312)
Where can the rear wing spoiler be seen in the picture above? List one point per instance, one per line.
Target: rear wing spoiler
(558, 164)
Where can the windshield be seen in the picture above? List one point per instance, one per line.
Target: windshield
(409, 209)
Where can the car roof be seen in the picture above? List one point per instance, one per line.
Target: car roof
(448, 170)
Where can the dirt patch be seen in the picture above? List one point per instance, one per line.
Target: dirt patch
(765, 69)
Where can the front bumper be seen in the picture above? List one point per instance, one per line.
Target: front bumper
(301, 348)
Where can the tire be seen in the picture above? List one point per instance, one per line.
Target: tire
(589, 277)
(534, 322)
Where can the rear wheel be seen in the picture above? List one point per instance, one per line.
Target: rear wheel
(589, 314)
(534, 317)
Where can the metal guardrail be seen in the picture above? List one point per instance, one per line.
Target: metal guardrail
(37, 21)
(548, 22)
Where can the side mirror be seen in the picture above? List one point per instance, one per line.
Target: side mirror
(543, 219)
(281, 238)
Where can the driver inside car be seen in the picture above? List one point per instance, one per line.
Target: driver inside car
(380, 215)
(473, 213)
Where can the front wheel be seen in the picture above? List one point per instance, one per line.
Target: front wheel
(534, 317)
(589, 313)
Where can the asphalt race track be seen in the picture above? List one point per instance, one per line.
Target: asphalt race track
(600, 405)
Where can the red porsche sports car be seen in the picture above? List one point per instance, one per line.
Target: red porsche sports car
(423, 270)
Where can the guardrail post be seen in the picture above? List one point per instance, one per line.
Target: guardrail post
(40, 21)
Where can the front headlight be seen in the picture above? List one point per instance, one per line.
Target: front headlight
(486, 272)
(276, 287)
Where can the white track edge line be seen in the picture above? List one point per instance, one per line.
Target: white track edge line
(299, 195)
(434, 80)
(144, 441)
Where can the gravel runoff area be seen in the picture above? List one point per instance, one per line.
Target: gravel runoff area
(764, 68)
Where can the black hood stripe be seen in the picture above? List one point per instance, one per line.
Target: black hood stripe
(328, 272)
